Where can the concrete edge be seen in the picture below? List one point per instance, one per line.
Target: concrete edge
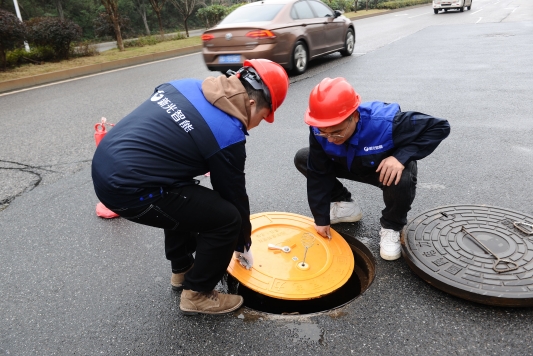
(28, 82)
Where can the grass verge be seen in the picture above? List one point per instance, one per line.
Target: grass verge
(351, 15)
(29, 70)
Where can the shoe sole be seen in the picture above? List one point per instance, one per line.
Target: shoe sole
(195, 312)
(390, 257)
(177, 288)
(347, 219)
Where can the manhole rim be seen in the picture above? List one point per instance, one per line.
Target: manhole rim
(370, 262)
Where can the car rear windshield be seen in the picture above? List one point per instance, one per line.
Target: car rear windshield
(253, 14)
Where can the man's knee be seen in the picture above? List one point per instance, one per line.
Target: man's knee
(300, 160)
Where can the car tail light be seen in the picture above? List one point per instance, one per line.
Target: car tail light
(207, 37)
(261, 34)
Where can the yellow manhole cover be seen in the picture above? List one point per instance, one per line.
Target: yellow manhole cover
(284, 275)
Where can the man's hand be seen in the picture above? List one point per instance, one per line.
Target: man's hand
(390, 170)
(245, 258)
(323, 231)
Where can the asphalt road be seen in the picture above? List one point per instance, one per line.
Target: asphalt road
(72, 283)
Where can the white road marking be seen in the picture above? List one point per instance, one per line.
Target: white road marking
(412, 17)
(479, 19)
(401, 15)
(94, 75)
(476, 12)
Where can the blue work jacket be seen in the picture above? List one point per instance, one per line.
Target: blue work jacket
(383, 130)
(168, 140)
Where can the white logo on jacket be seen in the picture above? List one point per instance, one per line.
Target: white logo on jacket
(158, 95)
(373, 148)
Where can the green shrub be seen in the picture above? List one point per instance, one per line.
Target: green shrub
(12, 34)
(211, 15)
(54, 32)
(36, 55)
(401, 3)
(343, 5)
(152, 40)
(103, 26)
(84, 49)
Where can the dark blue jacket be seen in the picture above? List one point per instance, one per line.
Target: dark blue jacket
(383, 130)
(168, 140)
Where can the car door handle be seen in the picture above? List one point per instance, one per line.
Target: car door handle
(304, 25)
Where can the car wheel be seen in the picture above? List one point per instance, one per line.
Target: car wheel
(349, 43)
(435, 11)
(299, 58)
(462, 8)
(469, 6)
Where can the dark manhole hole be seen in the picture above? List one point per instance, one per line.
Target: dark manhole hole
(437, 246)
(360, 280)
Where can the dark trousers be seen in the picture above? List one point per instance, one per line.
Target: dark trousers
(195, 219)
(397, 198)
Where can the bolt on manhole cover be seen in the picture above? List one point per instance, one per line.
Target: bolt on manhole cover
(476, 252)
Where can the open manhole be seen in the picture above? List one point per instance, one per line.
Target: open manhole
(334, 271)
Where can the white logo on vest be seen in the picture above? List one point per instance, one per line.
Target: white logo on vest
(157, 96)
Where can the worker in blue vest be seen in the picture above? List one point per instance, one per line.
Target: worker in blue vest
(144, 170)
(373, 143)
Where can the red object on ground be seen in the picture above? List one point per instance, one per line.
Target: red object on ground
(99, 133)
(104, 212)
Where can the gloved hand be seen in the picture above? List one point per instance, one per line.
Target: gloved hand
(245, 258)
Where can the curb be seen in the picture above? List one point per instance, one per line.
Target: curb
(28, 82)
(14, 84)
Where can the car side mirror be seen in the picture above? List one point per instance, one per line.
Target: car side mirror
(337, 13)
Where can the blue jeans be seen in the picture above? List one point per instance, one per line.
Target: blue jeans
(398, 198)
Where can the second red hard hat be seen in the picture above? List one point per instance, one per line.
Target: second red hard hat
(331, 102)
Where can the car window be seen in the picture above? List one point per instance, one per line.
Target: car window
(321, 10)
(264, 12)
(294, 15)
(303, 10)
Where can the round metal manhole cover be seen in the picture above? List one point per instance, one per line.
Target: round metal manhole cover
(454, 248)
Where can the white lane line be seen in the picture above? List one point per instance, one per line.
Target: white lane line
(479, 19)
(94, 75)
(412, 17)
(401, 15)
(476, 12)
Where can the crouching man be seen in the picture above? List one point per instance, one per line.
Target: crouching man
(144, 170)
(373, 143)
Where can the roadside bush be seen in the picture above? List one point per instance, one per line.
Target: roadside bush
(103, 27)
(12, 34)
(400, 3)
(343, 5)
(84, 49)
(36, 55)
(211, 15)
(152, 40)
(54, 32)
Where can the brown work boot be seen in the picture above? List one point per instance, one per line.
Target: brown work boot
(176, 281)
(208, 302)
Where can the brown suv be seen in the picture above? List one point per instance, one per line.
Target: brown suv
(289, 32)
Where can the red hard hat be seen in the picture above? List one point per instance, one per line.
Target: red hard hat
(275, 79)
(331, 102)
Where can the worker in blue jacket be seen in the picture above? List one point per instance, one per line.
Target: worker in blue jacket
(373, 143)
(144, 170)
